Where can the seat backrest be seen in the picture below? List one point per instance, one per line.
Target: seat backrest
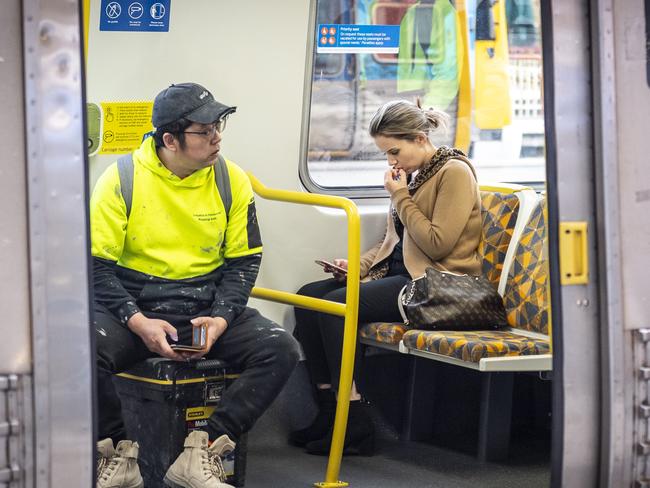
(499, 215)
(526, 292)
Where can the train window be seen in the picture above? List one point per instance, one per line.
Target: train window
(479, 60)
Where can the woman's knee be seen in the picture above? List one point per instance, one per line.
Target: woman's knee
(317, 289)
(337, 295)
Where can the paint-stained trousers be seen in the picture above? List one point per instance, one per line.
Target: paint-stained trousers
(262, 350)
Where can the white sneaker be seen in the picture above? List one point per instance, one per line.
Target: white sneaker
(199, 465)
(118, 468)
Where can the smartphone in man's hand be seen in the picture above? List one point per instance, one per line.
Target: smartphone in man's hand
(199, 340)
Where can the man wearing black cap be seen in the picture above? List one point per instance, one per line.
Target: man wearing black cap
(172, 248)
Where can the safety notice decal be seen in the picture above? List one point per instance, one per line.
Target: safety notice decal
(352, 38)
(124, 124)
(135, 15)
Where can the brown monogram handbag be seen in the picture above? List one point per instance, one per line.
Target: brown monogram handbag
(441, 300)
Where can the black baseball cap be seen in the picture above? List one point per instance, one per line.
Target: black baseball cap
(188, 101)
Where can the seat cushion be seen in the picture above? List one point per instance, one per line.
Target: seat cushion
(475, 345)
(499, 214)
(386, 332)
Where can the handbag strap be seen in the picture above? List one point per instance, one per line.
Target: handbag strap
(400, 303)
(439, 267)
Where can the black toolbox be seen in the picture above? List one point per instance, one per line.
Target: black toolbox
(163, 401)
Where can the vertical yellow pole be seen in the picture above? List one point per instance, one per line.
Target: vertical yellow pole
(349, 346)
(86, 20)
(464, 111)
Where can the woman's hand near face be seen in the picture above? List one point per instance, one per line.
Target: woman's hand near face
(394, 179)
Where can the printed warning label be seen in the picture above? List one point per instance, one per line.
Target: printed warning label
(124, 126)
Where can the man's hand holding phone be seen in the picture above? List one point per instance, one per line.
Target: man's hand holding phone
(214, 327)
(339, 268)
(153, 333)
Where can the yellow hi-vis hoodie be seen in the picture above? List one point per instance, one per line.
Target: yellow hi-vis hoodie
(176, 226)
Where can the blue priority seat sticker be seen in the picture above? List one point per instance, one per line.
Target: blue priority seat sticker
(352, 38)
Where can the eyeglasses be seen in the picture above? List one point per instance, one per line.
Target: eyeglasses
(219, 126)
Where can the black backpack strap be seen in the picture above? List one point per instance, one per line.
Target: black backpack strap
(222, 179)
(125, 169)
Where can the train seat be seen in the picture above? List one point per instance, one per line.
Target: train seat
(526, 303)
(499, 211)
(497, 355)
(515, 261)
(474, 346)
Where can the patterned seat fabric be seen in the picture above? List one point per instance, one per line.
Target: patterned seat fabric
(385, 332)
(526, 298)
(473, 346)
(499, 213)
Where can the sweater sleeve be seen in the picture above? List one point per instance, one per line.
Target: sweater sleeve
(456, 197)
(368, 257)
(107, 231)
(109, 291)
(234, 289)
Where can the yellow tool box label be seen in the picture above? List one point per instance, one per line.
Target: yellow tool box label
(198, 413)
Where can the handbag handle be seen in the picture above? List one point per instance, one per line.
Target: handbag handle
(442, 269)
(400, 304)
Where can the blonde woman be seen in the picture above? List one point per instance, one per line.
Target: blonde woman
(434, 219)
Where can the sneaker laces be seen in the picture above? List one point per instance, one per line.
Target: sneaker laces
(102, 462)
(109, 465)
(215, 465)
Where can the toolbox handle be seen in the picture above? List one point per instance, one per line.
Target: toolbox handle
(210, 364)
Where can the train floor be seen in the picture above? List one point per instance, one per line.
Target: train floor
(273, 463)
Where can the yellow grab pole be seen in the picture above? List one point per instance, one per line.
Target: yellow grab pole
(86, 26)
(349, 346)
(350, 311)
(310, 303)
(464, 111)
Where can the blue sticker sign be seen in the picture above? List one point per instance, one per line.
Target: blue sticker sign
(352, 38)
(135, 15)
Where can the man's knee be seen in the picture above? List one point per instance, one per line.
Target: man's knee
(283, 347)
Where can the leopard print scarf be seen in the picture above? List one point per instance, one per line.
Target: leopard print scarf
(430, 169)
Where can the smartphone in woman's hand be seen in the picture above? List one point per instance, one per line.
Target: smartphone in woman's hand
(331, 267)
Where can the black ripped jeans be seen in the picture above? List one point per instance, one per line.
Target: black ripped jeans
(262, 350)
(321, 334)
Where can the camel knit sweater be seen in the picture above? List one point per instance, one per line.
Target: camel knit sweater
(442, 224)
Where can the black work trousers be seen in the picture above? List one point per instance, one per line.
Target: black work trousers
(321, 334)
(263, 351)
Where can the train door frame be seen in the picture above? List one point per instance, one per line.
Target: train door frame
(571, 197)
(57, 196)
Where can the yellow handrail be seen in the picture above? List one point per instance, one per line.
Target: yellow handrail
(349, 310)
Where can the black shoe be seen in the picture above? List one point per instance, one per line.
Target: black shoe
(359, 436)
(322, 423)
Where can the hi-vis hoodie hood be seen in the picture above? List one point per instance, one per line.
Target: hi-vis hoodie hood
(147, 156)
(177, 228)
